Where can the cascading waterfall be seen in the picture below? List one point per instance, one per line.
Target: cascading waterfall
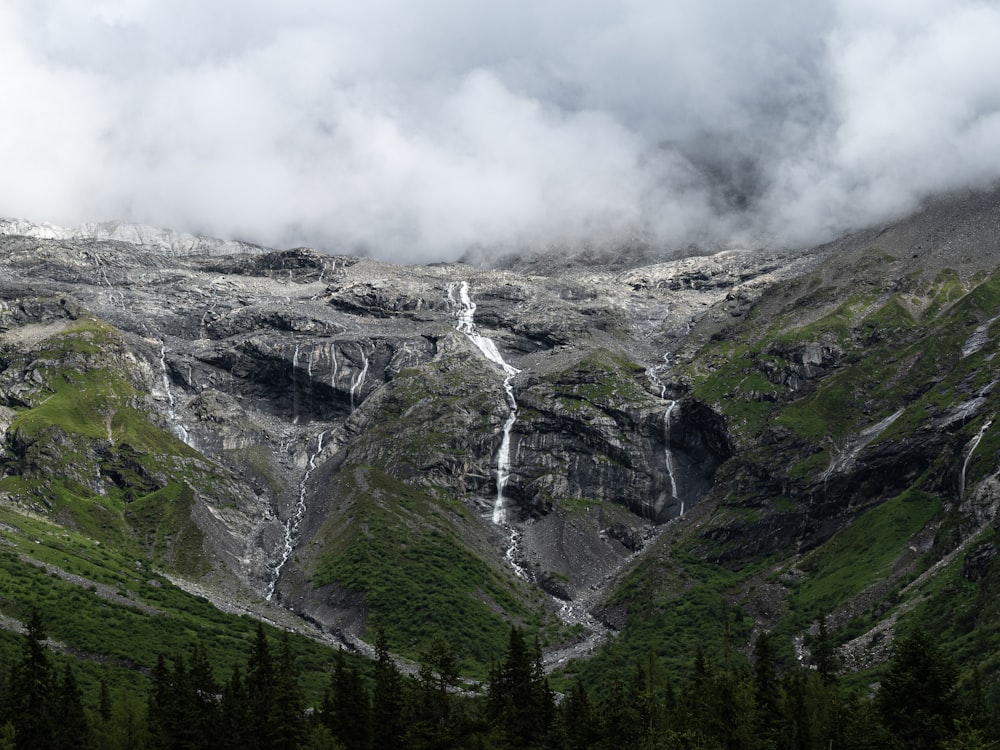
(333, 366)
(466, 311)
(655, 379)
(466, 324)
(181, 431)
(359, 380)
(295, 386)
(668, 418)
(292, 525)
(973, 444)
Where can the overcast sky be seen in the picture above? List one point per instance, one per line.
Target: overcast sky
(420, 130)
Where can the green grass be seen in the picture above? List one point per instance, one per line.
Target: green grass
(117, 637)
(861, 553)
(420, 582)
(674, 607)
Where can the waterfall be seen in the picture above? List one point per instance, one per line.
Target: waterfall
(359, 380)
(655, 379)
(973, 444)
(333, 362)
(181, 431)
(466, 310)
(292, 525)
(295, 386)
(513, 553)
(668, 418)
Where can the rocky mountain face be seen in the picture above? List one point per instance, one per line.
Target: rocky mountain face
(448, 449)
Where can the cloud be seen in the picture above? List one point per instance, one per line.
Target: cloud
(418, 134)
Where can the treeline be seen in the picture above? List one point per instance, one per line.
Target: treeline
(729, 703)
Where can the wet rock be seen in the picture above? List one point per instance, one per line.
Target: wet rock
(978, 561)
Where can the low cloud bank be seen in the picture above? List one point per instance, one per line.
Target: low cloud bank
(417, 133)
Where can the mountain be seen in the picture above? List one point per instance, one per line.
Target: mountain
(686, 451)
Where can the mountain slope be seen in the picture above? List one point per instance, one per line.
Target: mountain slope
(693, 450)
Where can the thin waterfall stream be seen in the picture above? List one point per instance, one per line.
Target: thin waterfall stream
(973, 444)
(358, 381)
(672, 468)
(294, 520)
(465, 313)
(179, 428)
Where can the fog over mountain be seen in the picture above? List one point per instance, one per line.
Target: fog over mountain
(417, 132)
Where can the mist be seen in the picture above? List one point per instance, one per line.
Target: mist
(423, 133)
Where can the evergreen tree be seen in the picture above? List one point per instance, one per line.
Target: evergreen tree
(577, 718)
(288, 714)
(916, 699)
(71, 730)
(649, 694)
(824, 655)
(435, 723)
(347, 714)
(128, 727)
(768, 701)
(104, 702)
(387, 699)
(520, 702)
(619, 719)
(158, 706)
(261, 732)
(233, 709)
(32, 687)
(203, 700)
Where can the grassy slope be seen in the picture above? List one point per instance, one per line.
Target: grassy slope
(100, 594)
(404, 550)
(901, 350)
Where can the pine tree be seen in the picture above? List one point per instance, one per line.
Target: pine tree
(104, 702)
(387, 699)
(288, 713)
(233, 710)
(577, 718)
(619, 719)
(348, 713)
(32, 688)
(916, 698)
(521, 703)
(824, 655)
(203, 700)
(158, 705)
(768, 700)
(260, 678)
(72, 730)
(434, 721)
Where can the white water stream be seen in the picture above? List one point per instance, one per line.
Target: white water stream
(179, 428)
(668, 422)
(973, 444)
(359, 379)
(292, 525)
(295, 386)
(672, 469)
(465, 313)
(466, 324)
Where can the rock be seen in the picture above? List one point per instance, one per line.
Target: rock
(978, 561)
